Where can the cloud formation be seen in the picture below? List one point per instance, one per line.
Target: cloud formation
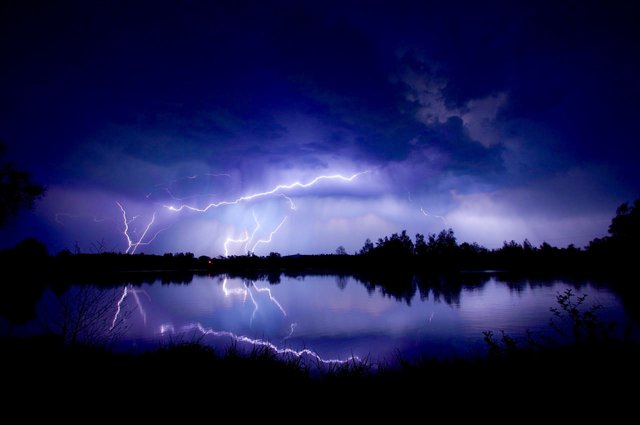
(500, 118)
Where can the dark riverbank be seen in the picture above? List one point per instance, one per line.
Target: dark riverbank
(595, 373)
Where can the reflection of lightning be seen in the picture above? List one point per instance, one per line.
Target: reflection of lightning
(255, 305)
(431, 317)
(233, 291)
(142, 312)
(268, 291)
(125, 292)
(276, 189)
(119, 306)
(166, 328)
(246, 292)
(293, 327)
(431, 215)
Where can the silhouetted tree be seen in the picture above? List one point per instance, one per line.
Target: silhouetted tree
(625, 226)
(447, 241)
(420, 247)
(367, 248)
(620, 250)
(512, 246)
(398, 245)
(442, 244)
(32, 249)
(526, 245)
(17, 191)
(341, 251)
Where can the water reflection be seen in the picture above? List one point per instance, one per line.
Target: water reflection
(319, 317)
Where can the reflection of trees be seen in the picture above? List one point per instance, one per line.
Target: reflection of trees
(519, 283)
(273, 277)
(403, 286)
(447, 287)
(400, 286)
(341, 281)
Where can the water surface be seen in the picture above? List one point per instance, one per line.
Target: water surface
(336, 317)
(327, 318)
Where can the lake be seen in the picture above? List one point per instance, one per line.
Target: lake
(321, 318)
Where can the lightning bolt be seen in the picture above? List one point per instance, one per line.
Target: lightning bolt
(409, 197)
(253, 234)
(247, 239)
(131, 245)
(134, 242)
(268, 240)
(137, 244)
(229, 240)
(166, 185)
(426, 214)
(257, 195)
(193, 177)
(169, 328)
(292, 205)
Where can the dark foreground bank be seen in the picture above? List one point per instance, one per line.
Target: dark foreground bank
(598, 376)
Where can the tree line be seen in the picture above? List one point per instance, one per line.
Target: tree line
(442, 250)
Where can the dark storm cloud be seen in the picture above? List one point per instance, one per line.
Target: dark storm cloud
(205, 76)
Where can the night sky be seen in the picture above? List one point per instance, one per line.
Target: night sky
(500, 120)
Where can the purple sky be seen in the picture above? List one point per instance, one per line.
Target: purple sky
(502, 121)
